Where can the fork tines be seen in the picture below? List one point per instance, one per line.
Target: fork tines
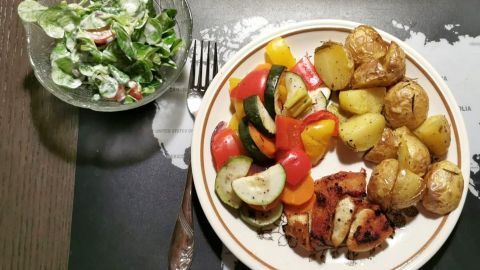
(211, 67)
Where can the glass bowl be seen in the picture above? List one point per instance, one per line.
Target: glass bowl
(39, 46)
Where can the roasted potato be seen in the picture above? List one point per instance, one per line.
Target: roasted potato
(406, 104)
(444, 182)
(386, 147)
(394, 63)
(413, 154)
(365, 44)
(399, 132)
(361, 101)
(381, 72)
(370, 74)
(407, 190)
(435, 134)
(334, 64)
(361, 132)
(380, 186)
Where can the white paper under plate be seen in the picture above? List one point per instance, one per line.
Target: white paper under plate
(411, 246)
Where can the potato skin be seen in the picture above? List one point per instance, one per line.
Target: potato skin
(408, 189)
(360, 101)
(444, 187)
(380, 186)
(435, 134)
(413, 154)
(361, 132)
(365, 44)
(381, 72)
(334, 64)
(370, 74)
(394, 63)
(385, 148)
(406, 104)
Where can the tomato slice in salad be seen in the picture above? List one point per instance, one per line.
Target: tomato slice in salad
(322, 115)
(224, 144)
(297, 165)
(253, 84)
(120, 95)
(135, 92)
(101, 37)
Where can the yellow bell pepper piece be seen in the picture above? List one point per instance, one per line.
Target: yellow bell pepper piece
(233, 82)
(282, 93)
(321, 130)
(263, 66)
(278, 53)
(237, 104)
(315, 150)
(316, 138)
(234, 121)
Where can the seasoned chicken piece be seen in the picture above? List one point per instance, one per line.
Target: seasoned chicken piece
(340, 211)
(329, 190)
(342, 220)
(343, 183)
(297, 231)
(370, 228)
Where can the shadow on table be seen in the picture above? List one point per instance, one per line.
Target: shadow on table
(54, 120)
(116, 139)
(104, 139)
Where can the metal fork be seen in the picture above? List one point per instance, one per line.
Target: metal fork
(181, 246)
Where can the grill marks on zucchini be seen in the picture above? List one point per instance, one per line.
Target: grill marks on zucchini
(298, 101)
(319, 100)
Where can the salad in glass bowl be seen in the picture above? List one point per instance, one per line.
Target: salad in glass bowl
(107, 54)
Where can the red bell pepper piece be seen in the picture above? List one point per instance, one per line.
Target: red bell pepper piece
(288, 133)
(305, 69)
(253, 84)
(297, 165)
(224, 144)
(322, 115)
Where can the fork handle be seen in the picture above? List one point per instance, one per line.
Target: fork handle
(181, 247)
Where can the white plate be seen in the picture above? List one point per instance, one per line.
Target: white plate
(411, 246)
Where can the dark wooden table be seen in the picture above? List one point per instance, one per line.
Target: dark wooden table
(37, 159)
(120, 214)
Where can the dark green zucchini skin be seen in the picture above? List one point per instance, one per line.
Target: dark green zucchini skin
(249, 144)
(258, 219)
(272, 83)
(253, 107)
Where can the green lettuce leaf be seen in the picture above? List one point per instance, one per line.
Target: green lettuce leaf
(30, 10)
